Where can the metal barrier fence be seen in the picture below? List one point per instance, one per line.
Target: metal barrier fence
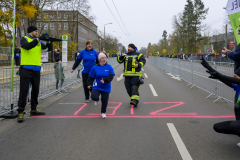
(47, 83)
(195, 74)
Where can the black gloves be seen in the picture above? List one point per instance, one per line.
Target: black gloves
(44, 37)
(204, 63)
(214, 75)
(207, 66)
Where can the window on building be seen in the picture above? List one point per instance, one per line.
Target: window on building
(46, 15)
(59, 15)
(52, 26)
(65, 26)
(38, 25)
(51, 16)
(22, 22)
(52, 35)
(59, 25)
(65, 15)
(46, 26)
(22, 33)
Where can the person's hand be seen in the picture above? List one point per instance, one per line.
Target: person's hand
(102, 81)
(236, 76)
(72, 71)
(213, 75)
(225, 51)
(89, 87)
(124, 55)
(136, 65)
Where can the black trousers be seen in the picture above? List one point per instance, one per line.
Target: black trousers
(17, 60)
(132, 86)
(57, 81)
(27, 76)
(86, 90)
(228, 127)
(104, 98)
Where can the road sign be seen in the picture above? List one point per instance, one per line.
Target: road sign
(231, 43)
(164, 51)
(181, 49)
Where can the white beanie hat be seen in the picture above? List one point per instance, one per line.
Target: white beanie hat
(101, 55)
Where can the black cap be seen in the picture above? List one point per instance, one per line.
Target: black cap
(132, 46)
(31, 29)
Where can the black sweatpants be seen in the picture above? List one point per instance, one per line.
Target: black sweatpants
(228, 127)
(104, 98)
(86, 90)
(17, 60)
(27, 76)
(132, 87)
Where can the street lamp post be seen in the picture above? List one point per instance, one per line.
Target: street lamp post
(100, 45)
(104, 36)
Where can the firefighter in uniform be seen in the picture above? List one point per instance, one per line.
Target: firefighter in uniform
(133, 62)
(30, 68)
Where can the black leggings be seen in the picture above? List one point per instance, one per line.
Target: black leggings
(104, 97)
(85, 86)
(228, 127)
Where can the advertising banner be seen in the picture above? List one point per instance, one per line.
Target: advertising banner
(233, 10)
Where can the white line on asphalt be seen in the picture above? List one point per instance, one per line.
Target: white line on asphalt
(180, 145)
(153, 90)
(142, 69)
(145, 75)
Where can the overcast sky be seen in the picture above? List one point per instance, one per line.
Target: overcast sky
(145, 20)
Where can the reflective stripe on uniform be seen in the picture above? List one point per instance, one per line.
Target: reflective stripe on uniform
(119, 59)
(135, 97)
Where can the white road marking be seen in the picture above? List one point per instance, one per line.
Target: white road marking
(153, 90)
(120, 78)
(142, 69)
(145, 75)
(174, 77)
(180, 145)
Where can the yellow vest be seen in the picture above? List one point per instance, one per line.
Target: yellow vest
(32, 56)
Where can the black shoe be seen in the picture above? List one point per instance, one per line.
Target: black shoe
(36, 113)
(20, 117)
(134, 102)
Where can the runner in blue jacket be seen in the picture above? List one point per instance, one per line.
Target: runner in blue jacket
(99, 80)
(90, 59)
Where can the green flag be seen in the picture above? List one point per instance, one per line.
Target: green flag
(233, 9)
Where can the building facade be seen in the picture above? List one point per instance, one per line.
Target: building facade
(72, 23)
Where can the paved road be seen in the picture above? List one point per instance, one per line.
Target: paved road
(172, 122)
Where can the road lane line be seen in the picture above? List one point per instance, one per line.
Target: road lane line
(145, 75)
(142, 69)
(180, 145)
(153, 90)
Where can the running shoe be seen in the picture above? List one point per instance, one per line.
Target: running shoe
(20, 117)
(87, 101)
(104, 115)
(238, 144)
(96, 103)
(36, 113)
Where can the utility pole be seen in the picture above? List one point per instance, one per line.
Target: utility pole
(104, 40)
(100, 46)
(104, 36)
(226, 37)
(57, 27)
